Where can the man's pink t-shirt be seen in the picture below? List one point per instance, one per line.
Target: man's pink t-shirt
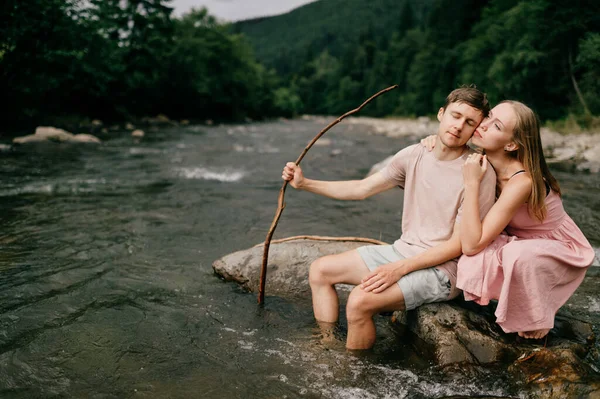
(433, 198)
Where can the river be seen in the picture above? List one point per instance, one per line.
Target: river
(106, 284)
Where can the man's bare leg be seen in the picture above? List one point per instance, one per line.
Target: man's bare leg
(347, 267)
(361, 308)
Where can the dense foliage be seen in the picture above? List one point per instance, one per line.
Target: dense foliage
(120, 59)
(114, 59)
(335, 53)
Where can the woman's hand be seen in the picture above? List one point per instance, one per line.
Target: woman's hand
(382, 278)
(429, 142)
(474, 168)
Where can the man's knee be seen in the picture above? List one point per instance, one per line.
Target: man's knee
(359, 306)
(317, 273)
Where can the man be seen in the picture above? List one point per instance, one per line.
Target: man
(421, 266)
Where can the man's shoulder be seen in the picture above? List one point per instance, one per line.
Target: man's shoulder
(411, 149)
(410, 152)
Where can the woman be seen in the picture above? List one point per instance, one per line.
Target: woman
(541, 257)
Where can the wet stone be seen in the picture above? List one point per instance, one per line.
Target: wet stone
(287, 269)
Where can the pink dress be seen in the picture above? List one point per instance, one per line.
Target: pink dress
(532, 271)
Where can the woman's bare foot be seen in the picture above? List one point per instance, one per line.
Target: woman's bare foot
(536, 334)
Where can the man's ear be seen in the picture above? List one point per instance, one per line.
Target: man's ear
(440, 114)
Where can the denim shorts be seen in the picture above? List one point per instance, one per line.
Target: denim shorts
(419, 287)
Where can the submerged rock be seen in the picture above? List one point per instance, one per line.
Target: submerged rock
(138, 133)
(452, 334)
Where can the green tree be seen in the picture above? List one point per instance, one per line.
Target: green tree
(41, 46)
(520, 55)
(588, 68)
(213, 73)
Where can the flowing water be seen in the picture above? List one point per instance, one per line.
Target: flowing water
(106, 285)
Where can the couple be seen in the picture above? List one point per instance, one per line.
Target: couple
(520, 246)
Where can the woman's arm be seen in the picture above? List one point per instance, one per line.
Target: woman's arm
(475, 235)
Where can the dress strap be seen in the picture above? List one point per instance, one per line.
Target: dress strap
(516, 173)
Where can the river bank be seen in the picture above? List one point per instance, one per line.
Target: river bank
(577, 151)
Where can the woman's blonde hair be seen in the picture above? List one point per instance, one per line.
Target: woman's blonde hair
(530, 153)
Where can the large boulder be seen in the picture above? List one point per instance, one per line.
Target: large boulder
(465, 334)
(452, 334)
(287, 269)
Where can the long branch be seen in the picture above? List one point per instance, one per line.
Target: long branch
(281, 204)
(327, 238)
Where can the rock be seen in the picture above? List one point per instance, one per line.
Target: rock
(53, 134)
(129, 126)
(556, 373)
(562, 154)
(158, 120)
(590, 166)
(591, 159)
(30, 138)
(323, 142)
(162, 118)
(47, 133)
(287, 270)
(85, 138)
(137, 133)
(420, 127)
(456, 335)
(460, 332)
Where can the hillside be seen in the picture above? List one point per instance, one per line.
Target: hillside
(288, 41)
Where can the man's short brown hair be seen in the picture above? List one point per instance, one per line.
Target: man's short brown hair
(470, 95)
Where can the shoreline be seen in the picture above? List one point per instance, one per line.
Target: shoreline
(577, 151)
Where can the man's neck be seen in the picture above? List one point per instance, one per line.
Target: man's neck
(444, 153)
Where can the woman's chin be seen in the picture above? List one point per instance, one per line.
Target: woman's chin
(476, 141)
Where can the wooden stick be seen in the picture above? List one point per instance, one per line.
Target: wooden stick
(327, 238)
(281, 204)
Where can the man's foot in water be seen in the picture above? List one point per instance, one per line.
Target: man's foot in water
(328, 334)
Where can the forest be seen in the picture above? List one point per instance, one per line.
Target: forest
(74, 60)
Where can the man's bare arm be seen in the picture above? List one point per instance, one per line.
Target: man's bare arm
(342, 190)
